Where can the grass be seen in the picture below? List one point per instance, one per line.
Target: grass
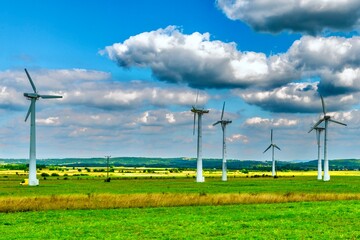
(298, 207)
(302, 184)
(301, 220)
(108, 201)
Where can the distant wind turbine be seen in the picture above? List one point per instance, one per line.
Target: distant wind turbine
(273, 146)
(223, 126)
(199, 166)
(33, 97)
(326, 119)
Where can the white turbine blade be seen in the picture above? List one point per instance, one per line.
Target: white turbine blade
(323, 105)
(216, 123)
(222, 113)
(197, 98)
(331, 120)
(29, 111)
(31, 82)
(316, 124)
(49, 96)
(271, 135)
(267, 148)
(276, 147)
(194, 123)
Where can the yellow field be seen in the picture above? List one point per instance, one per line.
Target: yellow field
(161, 172)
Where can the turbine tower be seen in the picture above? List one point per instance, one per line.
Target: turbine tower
(326, 119)
(223, 126)
(199, 167)
(318, 138)
(273, 146)
(33, 97)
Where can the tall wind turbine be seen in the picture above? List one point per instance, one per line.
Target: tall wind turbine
(326, 119)
(273, 146)
(223, 126)
(199, 167)
(33, 97)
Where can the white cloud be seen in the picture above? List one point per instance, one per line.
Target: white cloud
(198, 61)
(266, 122)
(294, 15)
(238, 138)
(48, 121)
(92, 89)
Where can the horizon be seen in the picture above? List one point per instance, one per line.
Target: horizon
(129, 74)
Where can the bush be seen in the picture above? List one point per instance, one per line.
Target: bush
(45, 174)
(54, 175)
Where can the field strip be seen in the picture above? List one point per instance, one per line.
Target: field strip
(107, 201)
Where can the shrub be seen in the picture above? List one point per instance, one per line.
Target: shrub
(54, 175)
(45, 174)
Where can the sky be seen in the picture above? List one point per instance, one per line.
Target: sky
(130, 71)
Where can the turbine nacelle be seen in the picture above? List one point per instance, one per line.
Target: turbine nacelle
(271, 144)
(223, 122)
(325, 118)
(31, 95)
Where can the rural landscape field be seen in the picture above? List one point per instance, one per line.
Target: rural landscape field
(159, 203)
(181, 119)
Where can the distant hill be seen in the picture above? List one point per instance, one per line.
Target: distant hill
(338, 164)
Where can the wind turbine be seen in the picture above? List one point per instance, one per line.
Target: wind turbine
(33, 97)
(199, 167)
(223, 126)
(326, 119)
(273, 146)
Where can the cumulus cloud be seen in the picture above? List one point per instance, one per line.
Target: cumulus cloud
(196, 60)
(93, 89)
(199, 62)
(303, 16)
(296, 98)
(238, 138)
(267, 122)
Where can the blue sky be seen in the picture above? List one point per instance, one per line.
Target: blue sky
(129, 72)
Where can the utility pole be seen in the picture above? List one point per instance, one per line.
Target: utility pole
(107, 168)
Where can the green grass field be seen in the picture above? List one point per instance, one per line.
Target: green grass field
(304, 220)
(288, 220)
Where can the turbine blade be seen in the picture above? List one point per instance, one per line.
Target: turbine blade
(276, 147)
(267, 148)
(331, 120)
(194, 123)
(323, 105)
(31, 82)
(197, 98)
(216, 123)
(50, 96)
(316, 124)
(222, 113)
(271, 135)
(29, 111)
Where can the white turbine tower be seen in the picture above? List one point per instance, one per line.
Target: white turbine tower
(33, 97)
(273, 146)
(223, 126)
(326, 119)
(199, 167)
(318, 139)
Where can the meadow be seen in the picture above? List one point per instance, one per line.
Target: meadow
(168, 205)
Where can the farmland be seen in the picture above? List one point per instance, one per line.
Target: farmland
(167, 203)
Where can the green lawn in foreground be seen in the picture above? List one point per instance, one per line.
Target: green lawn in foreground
(338, 184)
(319, 220)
